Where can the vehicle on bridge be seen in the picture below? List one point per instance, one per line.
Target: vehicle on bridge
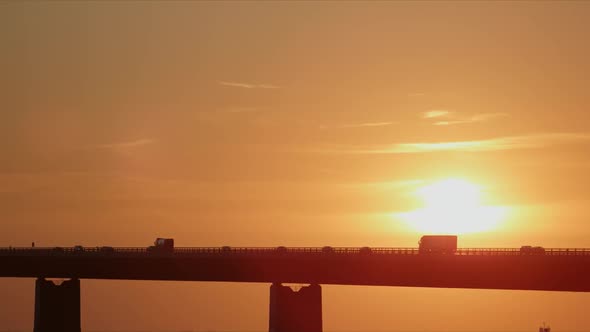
(365, 251)
(437, 244)
(162, 245)
(530, 250)
(107, 249)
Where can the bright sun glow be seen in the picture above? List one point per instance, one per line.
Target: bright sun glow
(452, 206)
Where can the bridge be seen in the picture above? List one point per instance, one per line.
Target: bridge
(57, 307)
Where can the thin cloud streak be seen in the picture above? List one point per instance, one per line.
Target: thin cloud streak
(476, 118)
(128, 144)
(533, 141)
(397, 184)
(243, 110)
(358, 125)
(248, 85)
(435, 114)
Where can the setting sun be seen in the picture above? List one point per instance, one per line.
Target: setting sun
(452, 206)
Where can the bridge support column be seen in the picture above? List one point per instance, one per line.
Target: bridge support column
(292, 311)
(57, 307)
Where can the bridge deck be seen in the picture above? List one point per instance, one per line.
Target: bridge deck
(556, 269)
(198, 251)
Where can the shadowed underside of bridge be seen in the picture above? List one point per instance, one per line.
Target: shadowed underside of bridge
(518, 272)
(57, 307)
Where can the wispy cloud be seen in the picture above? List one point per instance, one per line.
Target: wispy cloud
(248, 85)
(435, 114)
(243, 110)
(127, 144)
(475, 118)
(533, 141)
(397, 184)
(358, 125)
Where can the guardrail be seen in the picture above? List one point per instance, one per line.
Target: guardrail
(199, 251)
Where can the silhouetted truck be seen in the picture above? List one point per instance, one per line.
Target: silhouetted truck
(437, 244)
(162, 245)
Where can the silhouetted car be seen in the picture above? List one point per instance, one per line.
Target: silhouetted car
(530, 250)
(365, 251)
(226, 249)
(107, 249)
(327, 250)
(281, 249)
(78, 249)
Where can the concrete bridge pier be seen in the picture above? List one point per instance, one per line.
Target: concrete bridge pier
(295, 311)
(57, 307)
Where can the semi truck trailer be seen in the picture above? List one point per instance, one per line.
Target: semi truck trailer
(437, 244)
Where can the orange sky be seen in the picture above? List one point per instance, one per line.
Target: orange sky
(266, 124)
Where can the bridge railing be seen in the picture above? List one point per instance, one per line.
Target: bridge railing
(196, 251)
